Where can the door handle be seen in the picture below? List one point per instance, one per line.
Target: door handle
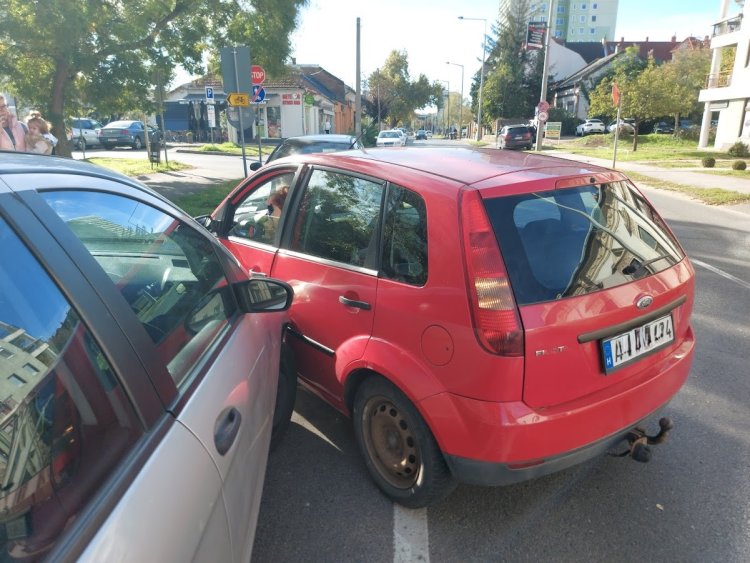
(354, 303)
(226, 428)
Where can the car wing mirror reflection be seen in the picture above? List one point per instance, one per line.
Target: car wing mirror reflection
(263, 295)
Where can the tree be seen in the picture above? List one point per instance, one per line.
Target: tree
(104, 54)
(397, 96)
(681, 79)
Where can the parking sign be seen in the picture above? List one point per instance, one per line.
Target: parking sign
(209, 94)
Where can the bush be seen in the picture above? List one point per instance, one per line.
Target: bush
(739, 165)
(708, 162)
(738, 149)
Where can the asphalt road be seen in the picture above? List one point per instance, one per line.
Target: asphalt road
(689, 504)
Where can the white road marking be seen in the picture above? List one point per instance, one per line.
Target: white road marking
(411, 541)
(722, 273)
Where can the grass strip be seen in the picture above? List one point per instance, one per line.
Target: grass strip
(136, 166)
(710, 196)
(204, 201)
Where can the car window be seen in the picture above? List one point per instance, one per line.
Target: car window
(579, 240)
(167, 272)
(404, 237)
(258, 215)
(65, 421)
(337, 218)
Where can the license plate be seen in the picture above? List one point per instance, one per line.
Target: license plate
(636, 343)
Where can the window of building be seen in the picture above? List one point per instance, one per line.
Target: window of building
(561, 9)
(338, 219)
(167, 272)
(543, 18)
(582, 19)
(594, 6)
(64, 431)
(559, 21)
(581, 30)
(30, 369)
(5, 353)
(558, 33)
(583, 6)
(593, 30)
(573, 31)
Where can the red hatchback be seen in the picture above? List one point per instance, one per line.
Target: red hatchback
(484, 317)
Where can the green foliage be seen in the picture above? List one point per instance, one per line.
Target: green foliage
(708, 162)
(738, 149)
(739, 165)
(66, 58)
(568, 120)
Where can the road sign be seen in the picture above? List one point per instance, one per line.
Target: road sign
(258, 75)
(259, 94)
(238, 99)
(209, 94)
(211, 112)
(543, 116)
(553, 129)
(543, 106)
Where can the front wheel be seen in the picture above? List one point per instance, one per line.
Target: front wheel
(400, 452)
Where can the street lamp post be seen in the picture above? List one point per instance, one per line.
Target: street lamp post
(481, 74)
(461, 101)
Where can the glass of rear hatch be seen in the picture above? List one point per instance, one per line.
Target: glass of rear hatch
(574, 241)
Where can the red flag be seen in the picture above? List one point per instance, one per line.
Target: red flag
(615, 94)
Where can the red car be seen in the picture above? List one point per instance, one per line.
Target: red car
(484, 317)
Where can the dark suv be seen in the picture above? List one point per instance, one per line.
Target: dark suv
(515, 137)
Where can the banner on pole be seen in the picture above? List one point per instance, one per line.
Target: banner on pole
(535, 35)
(615, 94)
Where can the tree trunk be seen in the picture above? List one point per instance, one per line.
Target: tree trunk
(56, 116)
(635, 135)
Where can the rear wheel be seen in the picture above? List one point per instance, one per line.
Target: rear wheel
(137, 144)
(80, 144)
(400, 452)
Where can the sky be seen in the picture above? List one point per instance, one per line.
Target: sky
(431, 33)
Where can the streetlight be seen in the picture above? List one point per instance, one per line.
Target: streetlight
(448, 104)
(481, 74)
(461, 101)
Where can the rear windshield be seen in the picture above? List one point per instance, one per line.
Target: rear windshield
(574, 241)
(517, 130)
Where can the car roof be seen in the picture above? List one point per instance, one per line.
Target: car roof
(464, 165)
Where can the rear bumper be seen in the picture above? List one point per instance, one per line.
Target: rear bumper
(500, 443)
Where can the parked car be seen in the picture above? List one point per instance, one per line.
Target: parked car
(84, 132)
(590, 126)
(421, 134)
(140, 368)
(483, 316)
(127, 133)
(627, 126)
(390, 138)
(311, 143)
(428, 133)
(515, 136)
(663, 127)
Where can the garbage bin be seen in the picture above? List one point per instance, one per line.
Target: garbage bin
(154, 155)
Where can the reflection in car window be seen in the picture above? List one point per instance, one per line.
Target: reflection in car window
(167, 272)
(338, 217)
(65, 421)
(405, 237)
(258, 215)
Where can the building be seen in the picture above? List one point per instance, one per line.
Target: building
(572, 20)
(726, 96)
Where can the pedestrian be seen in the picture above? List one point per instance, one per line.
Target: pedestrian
(36, 139)
(12, 132)
(328, 126)
(48, 135)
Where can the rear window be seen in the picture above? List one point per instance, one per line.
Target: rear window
(517, 130)
(575, 241)
(291, 148)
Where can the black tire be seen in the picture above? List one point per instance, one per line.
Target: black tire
(137, 144)
(400, 452)
(286, 394)
(81, 144)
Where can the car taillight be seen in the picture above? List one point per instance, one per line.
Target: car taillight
(494, 311)
(124, 132)
(508, 137)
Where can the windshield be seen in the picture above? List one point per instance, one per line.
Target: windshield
(575, 241)
(389, 135)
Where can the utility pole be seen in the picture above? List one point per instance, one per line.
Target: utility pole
(545, 72)
(358, 99)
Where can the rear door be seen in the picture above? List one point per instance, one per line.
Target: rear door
(328, 255)
(604, 289)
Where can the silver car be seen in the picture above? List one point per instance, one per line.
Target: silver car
(142, 373)
(84, 132)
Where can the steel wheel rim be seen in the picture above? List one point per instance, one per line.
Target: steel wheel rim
(391, 443)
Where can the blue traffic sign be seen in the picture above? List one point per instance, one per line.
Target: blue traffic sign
(259, 94)
(209, 93)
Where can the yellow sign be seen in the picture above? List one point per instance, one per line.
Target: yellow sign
(237, 99)
(552, 129)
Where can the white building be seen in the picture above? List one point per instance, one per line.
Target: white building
(572, 20)
(728, 93)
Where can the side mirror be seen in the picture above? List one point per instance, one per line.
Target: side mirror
(205, 220)
(263, 295)
(255, 165)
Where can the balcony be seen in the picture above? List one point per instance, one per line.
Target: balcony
(728, 26)
(719, 80)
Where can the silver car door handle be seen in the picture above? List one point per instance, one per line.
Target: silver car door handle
(226, 428)
(354, 303)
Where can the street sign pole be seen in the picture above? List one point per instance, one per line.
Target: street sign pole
(545, 73)
(258, 77)
(242, 126)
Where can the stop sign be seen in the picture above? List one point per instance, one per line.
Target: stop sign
(258, 75)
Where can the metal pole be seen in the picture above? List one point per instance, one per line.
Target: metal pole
(239, 111)
(380, 128)
(161, 112)
(543, 95)
(617, 130)
(257, 118)
(480, 129)
(358, 99)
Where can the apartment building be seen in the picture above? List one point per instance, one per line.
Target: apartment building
(572, 20)
(727, 93)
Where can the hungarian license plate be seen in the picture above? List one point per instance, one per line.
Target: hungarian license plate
(636, 343)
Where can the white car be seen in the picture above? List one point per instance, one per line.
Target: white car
(590, 126)
(84, 132)
(143, 371)
(391, 138)
(627, 127)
